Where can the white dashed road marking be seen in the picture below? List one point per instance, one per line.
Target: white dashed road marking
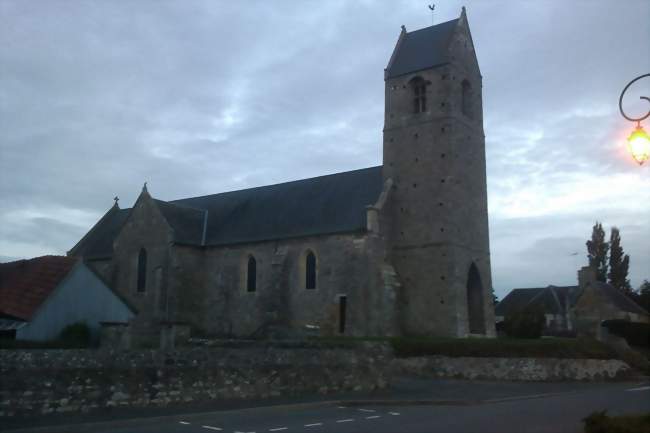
(183, 422)
(373, 417)
(209, 427)
(278, 428)
(345, 420)
(393, 413)
(341, 407)
(367, 410)
(314, 424)
(642, 388)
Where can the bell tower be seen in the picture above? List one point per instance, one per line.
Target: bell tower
(434, 153)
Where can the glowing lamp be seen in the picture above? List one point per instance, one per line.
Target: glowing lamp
(638, 143)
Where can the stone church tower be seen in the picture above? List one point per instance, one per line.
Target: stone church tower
(434, 153)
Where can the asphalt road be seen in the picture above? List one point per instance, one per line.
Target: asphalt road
(451, 406)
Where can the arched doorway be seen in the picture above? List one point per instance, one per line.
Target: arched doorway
(475, 311)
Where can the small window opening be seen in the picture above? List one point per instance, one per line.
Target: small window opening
(142, 270)
(251, 275)
(419, 87)
(466, 103)
(343, 306)
(310, 271)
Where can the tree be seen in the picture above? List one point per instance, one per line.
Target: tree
(642, 296)
(597, 252)
(619, 264)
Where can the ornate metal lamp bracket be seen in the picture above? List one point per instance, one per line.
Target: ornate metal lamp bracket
(620, 102)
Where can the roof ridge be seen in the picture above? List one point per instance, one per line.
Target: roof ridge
(273, 184)
(180, 205)
(432, 26)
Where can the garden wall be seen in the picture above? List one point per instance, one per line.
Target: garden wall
(519, 369)
(59, 381)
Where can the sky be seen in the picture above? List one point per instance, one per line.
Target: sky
(200, 97)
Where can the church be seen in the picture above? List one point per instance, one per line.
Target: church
(397, 249)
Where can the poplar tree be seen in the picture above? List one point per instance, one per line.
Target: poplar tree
(597, 252)
(619, 264)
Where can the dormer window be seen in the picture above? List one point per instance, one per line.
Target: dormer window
(419, 88)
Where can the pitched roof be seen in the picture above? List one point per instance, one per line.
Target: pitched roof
(517, 299)
(328, 204)
(421, 49)
(618, 298)
(552, 299)
(98, 242)
(25, 284)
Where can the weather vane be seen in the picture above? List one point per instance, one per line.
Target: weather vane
(431, 8)
(116, 198)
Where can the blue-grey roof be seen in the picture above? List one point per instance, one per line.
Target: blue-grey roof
(98, 242)
(422, 49)
(329, 204)
(321, 205)
(551, 299)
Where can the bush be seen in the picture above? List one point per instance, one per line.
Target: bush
(636, 334)
(599, 422)
(75, 335)
(527, 323)
(580, 348)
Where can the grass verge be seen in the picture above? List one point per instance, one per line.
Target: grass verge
(600, 422)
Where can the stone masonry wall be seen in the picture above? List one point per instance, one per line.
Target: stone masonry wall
(520, 369)
(41, 382)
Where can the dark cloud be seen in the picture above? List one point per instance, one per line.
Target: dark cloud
(198, 97)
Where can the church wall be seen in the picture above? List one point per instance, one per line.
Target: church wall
(347, 264)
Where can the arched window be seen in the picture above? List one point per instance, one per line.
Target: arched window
(476, 318)
(251, 275)
(142, 270)
(419, 87)
(466, 103)
(310, 271)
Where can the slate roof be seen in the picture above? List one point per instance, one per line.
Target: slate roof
(619, 299)
(552, 299)
(421, 49)
(25, 284)
(321, 205)
(98, 242)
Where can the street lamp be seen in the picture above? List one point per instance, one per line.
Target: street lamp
(638, 143)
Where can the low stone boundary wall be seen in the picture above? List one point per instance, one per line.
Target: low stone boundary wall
(41, 382)
(516, 369)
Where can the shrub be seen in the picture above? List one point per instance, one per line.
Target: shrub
(599, 422)
(526, 323)
(405, 347)
(636, 334)
(75, 335)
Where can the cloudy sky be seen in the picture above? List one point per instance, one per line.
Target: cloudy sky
(199, 97)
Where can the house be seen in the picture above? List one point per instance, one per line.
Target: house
(39, 297)
(554, 301)
(397, 249)
(580, 309)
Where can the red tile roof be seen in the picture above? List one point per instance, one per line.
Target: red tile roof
(25, 284)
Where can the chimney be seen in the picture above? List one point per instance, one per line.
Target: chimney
(586, 275)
